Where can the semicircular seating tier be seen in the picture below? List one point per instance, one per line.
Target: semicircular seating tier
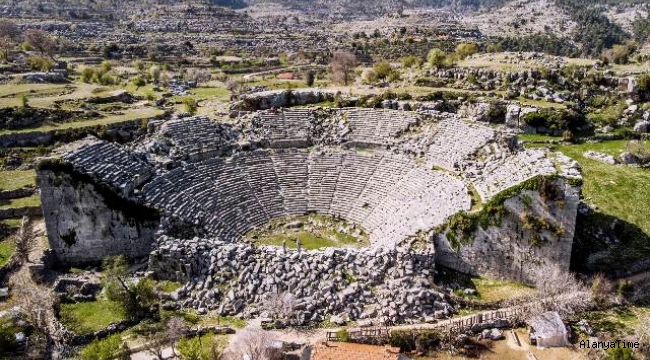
(391, 196)
(455, 141)
(309, 126)
(197, 138)
(110, 164)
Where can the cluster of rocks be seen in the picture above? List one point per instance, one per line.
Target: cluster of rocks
(77, 288)
(595, 155)
(297, 286)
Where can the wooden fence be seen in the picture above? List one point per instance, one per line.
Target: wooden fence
(449, 327)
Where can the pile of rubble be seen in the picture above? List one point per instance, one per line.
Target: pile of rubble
(298, 286)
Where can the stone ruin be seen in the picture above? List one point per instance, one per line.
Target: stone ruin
(187, 194)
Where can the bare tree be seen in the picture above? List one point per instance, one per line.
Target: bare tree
(280, 305)
(25, 239)
(37, 305)
(9, 35)
(233, 85)
(155, 73)
(200, 76)
(643, 334)
(342, 67)
(253, 345)
(557, 290)
(40, 41)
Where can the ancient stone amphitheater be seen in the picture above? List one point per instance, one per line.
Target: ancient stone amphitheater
(186, 196)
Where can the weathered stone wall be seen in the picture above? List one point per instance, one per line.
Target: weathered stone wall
(83, 226)
(510, 250)
(384, 284)
(126, 130)
(13, 213)
(282, 98)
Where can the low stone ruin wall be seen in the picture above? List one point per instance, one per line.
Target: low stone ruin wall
(126, 130)
(282, 98)
(14, 213)
(299, 287)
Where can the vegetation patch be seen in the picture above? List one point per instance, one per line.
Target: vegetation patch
(30, 201)
(7, 248)
(91, 316)
(16, 179)
(494, 290)
(619, 195)
(108, 348)
(168, 286)
(460, 228)
(313, 231)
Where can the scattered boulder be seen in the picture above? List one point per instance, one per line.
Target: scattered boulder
(642, 126)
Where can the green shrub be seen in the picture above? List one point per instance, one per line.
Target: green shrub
(139, 82)
(7, 335)
(199, 348)
(135, 298)
(554, 119)
(437, 58)
(343, 335)
(464, 50)
(87, 74)
(107, 349)
(40, 63)
(309, 77)
(620, 353)
(24, 100)
(411, 61)
(191, 105)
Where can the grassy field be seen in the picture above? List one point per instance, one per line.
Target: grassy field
(308, 240)
(191, 317)
(44, 95)
(15, 179)
(127, 115)
(491, 290)
(34, 200)
(7, 248)
(315, 232)
(619, 321)
(11, 90)
(168, 286)
(619, 191)
(87, 317)
(540, 103)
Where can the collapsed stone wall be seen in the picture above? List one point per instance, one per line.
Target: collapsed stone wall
(390, 286)
(534, 230)
(85, 222)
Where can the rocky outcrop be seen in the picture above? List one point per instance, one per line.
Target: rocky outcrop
(87, 221)
(536, 227)
(391, 285)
